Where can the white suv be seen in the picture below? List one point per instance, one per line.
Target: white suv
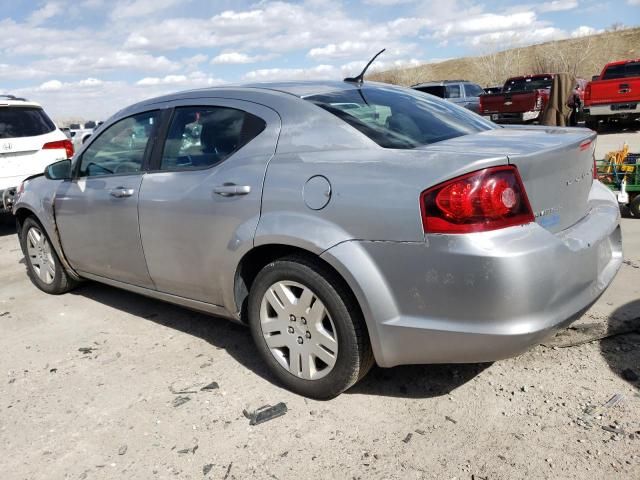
(29, 141)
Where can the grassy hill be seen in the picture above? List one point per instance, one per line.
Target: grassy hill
(582, 57)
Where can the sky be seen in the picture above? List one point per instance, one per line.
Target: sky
(89, 58)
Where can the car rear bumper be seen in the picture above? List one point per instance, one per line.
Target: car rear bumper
(484, 296)
(514, 117)
(623, 109)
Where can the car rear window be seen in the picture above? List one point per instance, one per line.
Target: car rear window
(18, 122)
(527, 84)
(400, 118)
(631, 69)
(437, 90)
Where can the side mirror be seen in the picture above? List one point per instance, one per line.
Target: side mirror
(59, 170)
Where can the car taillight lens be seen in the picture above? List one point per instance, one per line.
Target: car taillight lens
(480, 104)
(485, 200)
(538, 101)
(587, 92)
(60, 144)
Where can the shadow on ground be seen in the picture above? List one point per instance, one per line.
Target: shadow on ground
(622, 351)
(415, 381)
(7, 225)
(608, 129)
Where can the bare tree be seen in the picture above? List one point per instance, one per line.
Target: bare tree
(496, 65)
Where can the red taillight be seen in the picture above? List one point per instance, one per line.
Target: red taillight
(485, 200)
(480, 104)
(60, 144)
(587, 92)
(538, 101)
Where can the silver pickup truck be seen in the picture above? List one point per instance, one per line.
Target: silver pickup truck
(461, 92)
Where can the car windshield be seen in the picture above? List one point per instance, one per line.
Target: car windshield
(630, 69)
(16, 122)
(399, 118)
(527, 84)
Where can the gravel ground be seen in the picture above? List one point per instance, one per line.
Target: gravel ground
(87, 384)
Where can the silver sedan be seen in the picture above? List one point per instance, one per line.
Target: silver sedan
(346, 224)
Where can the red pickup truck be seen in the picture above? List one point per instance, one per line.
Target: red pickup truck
(614, 94)
(523, 99)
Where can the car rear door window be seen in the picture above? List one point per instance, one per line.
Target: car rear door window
(120, 148)
(16, 122)
(453, 91)
(200, 137)
(400, 118)
(472, 90)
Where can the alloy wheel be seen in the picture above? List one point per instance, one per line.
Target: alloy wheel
(40, 255)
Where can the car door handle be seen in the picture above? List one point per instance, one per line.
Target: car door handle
(231, 189)
(121, 192)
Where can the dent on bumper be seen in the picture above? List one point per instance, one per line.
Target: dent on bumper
(480, 297)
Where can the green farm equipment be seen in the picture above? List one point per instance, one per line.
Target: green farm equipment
(620, 171)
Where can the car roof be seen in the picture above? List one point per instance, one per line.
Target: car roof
(12, 101)
(438, 83)
(284, 89)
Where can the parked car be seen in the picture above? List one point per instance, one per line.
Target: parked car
(29, 141)
(460, 92)
(523, 99)
(81, 133)
(614, 95)
(421, 234)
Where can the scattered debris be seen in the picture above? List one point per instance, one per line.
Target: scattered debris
(207, 468)
(420, 431)
(122, 450)
(449, 419)
(226, 475)
(53, 370)
(613, 429)
(191, 450)
(211, 386)
(589, 332)
(86, 350)
(629, 375)
(265, 413)
(180, 401)
(11, 380)
(4, 313)
(407, 439)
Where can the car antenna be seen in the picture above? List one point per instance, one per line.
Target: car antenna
(360, 78)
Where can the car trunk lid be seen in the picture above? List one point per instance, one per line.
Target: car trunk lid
(555, 164)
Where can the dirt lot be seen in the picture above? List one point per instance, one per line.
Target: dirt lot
(109, 411)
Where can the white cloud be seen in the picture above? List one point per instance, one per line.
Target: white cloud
(319, 72)
(557, 5)
(344, 49)
(140, 8)
(486, 23)
(514, 38)
(195, 79)
(583, 31)
(237, 58)
(633, 2)
(47, 11)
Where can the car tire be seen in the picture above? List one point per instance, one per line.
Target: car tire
(634, 207)
(43, 264)
(335, 328)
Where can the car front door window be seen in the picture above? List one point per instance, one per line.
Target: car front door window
(120, 149)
